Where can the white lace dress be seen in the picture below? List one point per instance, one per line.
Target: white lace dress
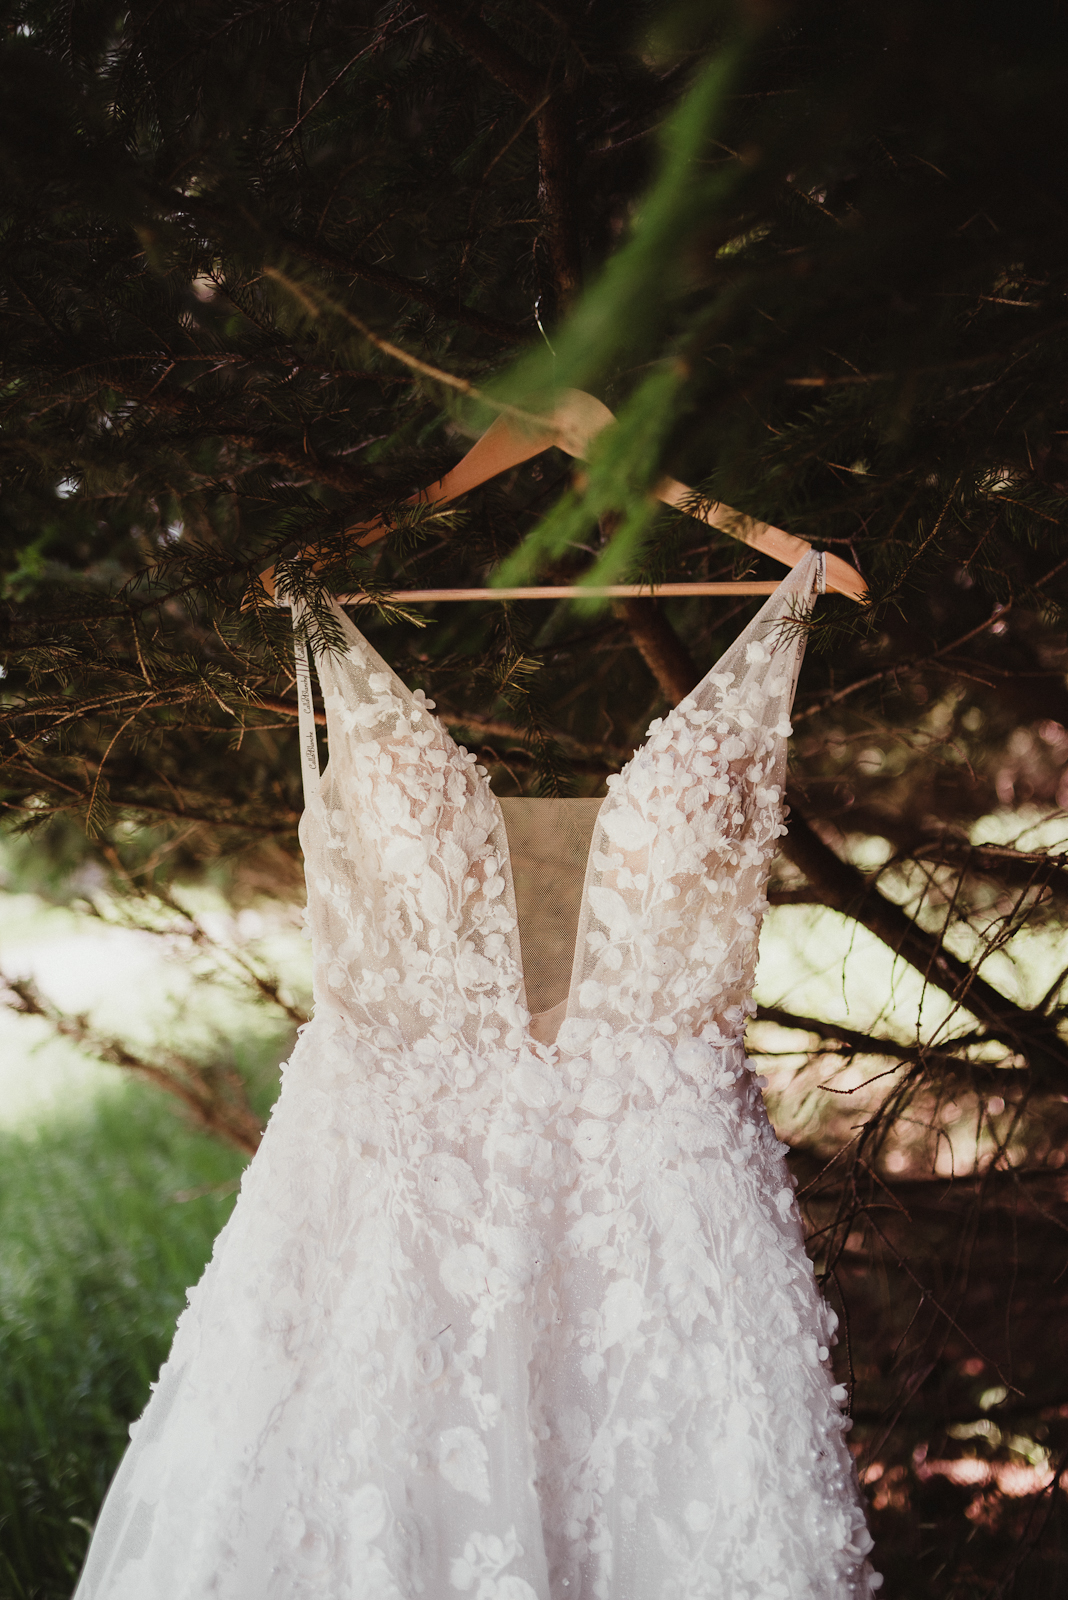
(497, 1316)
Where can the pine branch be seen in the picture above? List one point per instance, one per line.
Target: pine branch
(831, 1034)
(218, 1103)
(319, 254)
(474, 36)
(446, 307)
(554, 125)
(663, 652)
(270, 444)
(578, 750)
(843, 888)
(1019, 869)
(286, 708)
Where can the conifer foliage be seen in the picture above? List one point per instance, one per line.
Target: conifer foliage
(266, 268)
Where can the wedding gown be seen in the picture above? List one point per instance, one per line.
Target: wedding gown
(500, 1315)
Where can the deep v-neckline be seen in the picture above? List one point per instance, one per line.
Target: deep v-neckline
(481, 777)
(563, 1007)
(620, 785)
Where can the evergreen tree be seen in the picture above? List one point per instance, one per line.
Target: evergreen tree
(266, 268)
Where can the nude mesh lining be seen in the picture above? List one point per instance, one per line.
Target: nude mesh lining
(548, 842)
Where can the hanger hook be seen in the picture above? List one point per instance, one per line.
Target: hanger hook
(541, 330)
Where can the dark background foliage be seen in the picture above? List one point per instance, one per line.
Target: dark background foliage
(813, 255)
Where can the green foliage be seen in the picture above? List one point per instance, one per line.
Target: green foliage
(633, 303)
(105, 1219)
(623, 468)
(821, 268)
(260, 269)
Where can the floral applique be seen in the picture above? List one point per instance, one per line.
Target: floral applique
(492, 1317)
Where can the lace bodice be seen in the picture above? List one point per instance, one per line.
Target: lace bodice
(412, 903)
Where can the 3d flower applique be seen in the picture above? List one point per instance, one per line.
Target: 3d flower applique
(448, 1184)
(433, 1181)
(484, 1559)
(433, 1360)
(463, 1462)
(367, 1513)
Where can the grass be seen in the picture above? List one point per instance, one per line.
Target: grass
(107, 1214)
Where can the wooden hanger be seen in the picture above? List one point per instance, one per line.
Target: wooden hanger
(572, 427)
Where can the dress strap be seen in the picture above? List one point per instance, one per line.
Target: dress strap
(309, 744)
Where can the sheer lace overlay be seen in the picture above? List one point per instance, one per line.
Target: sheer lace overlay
(495, 1316)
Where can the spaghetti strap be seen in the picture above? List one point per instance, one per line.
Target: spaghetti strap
(309, 745)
